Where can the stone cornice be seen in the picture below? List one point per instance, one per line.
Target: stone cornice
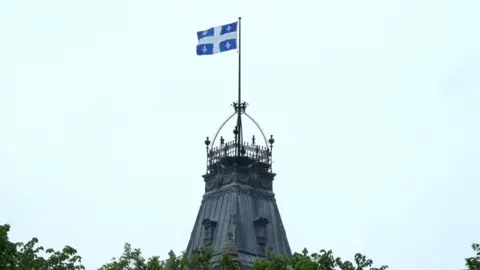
(254, 175)
(235, 187)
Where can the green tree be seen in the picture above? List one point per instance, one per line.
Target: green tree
(8, 250)
(132, 259)
(273, 262)
(324, 260)
(28, 256)
(227, 263)
(201, 259)
(14, 256)
(473, 263)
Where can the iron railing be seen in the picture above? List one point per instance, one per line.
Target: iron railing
(247, 151)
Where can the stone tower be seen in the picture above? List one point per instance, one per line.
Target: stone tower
(238, 213)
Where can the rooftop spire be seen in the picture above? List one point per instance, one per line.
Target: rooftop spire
(239, 190)
(238, 150)
(238, 147)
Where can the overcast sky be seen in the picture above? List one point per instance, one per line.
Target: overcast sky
(374, 105)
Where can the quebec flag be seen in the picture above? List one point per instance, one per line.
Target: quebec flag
(217, 39)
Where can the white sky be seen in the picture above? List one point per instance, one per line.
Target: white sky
(374, 105)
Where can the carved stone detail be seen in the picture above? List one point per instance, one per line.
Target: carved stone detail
(228, 179)
(219, 180)
(243, 178)
(254, 175)
(209, 184)
(266, 183)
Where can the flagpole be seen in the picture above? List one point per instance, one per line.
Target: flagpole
(239, 60)
(240, 107)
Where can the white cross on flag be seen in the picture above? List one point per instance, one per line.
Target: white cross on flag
(217, 39)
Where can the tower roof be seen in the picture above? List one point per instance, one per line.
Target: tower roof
(239, 214)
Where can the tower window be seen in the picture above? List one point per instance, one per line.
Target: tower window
(208, 231)
(260, 225)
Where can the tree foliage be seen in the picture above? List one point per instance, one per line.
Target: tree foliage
(132, 259)
(14, 256)
(201, 260)
(473, 263)
(31, 256)
(324, 260)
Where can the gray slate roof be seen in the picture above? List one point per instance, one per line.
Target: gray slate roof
(239, 199)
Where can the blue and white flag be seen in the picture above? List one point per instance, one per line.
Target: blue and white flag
(217, 39)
